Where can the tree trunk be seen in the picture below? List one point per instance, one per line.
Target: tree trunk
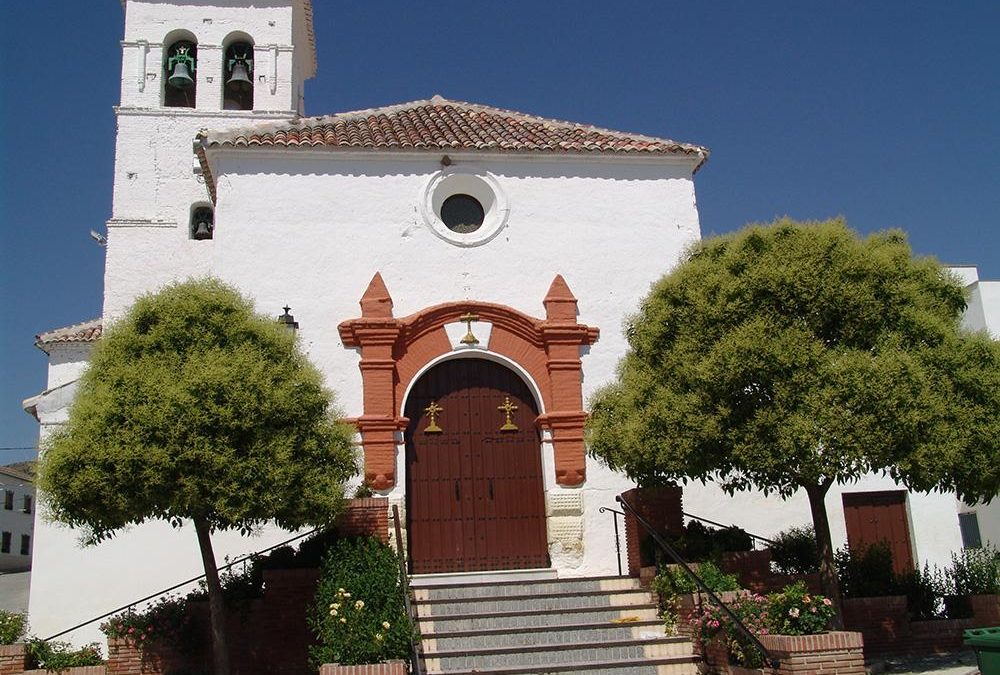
(829, 584)
(216, 606)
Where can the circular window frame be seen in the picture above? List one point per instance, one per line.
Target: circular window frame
(480, 185)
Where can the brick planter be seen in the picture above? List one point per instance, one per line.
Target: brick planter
(883, 621)
(839, 652)
(662, 508)
(390, 668)
(13, 661)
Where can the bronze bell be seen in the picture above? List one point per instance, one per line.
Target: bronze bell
(203, 223)
(180, 78)
(240, 79)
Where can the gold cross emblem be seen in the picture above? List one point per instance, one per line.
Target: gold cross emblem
(432, 410)
(508, 409)
(469, 338)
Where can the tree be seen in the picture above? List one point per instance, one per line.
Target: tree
(794, 356)
(195, 408)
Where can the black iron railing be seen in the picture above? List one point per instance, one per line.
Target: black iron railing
(187, 582)
(404, 580)
(753, 537)
(675, 556)
(618, 541)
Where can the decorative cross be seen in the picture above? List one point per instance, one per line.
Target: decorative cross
(508, 409)
(433, 409)
(469, 338)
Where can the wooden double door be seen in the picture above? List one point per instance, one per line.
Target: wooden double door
(876, 517)
(474, 488)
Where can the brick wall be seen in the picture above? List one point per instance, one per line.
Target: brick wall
(366, 516)
(662, 508)
(836, 652)
(11, 659)
(390, 668)
(887, 628)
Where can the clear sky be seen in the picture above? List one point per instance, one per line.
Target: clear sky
(887, 113)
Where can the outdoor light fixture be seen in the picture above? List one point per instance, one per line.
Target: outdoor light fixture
(288, 320)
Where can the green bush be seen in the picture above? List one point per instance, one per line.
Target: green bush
(925, 591)
(866, 573)
(358, 615)
(976, 571)
(795, 611)
(672, 580)
(13, 626)
(56, 656)
(794, 551)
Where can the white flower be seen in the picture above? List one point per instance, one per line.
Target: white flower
(359, 604)
(333, 611)
(378, 637)
(385, 624)
(794, 612)
(343, 620)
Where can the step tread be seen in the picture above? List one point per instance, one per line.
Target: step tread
(557, 646)
(414, 583)
(574, 667)
(644, 623)
(537, 612)
(531, 596)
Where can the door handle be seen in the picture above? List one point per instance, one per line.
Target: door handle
(458, 492)
(491, 488)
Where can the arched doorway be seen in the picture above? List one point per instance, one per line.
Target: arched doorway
(474, 490)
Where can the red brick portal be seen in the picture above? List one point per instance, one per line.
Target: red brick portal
(394, 350)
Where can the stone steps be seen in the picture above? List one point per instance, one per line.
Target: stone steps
(588, 625)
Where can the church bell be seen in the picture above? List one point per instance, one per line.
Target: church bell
(203, 223)
(239, 78)
(181, 66)
(180, 78)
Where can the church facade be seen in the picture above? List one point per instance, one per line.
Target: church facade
(459, 273)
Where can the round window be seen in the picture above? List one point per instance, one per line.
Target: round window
(462, 213)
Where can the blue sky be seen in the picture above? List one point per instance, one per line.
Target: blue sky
(886, 113)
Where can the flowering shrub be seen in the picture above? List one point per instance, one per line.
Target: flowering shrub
(711, 623)
(358, 615)
(56, 656)
(165, 622)
(795, 611)
(12, 627)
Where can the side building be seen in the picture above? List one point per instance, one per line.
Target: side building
(17, 520)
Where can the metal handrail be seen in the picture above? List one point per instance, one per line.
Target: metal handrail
(728, 527)
(404, 579)
(740, 626)
(132, 604)
(618, 542)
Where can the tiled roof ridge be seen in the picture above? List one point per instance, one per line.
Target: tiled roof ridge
(262, 134)
(85, 331)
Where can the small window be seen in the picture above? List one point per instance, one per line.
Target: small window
(968, 523)
(237, 76)
(462, 213)
(5, 543)
(27, 504)
(25, 544)
(8, 500)
(181, 83)
(202, 222)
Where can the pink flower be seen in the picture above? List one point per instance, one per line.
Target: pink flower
(827, 602)
(806, 599)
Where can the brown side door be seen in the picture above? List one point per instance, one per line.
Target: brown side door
(474, 489)
(880, 516)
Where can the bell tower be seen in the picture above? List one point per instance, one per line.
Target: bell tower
(188, 66)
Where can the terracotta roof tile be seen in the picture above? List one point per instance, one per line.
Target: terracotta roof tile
(88, 331)
(439, 124)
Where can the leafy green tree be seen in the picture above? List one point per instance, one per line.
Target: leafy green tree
(195, 408)
(794, 356)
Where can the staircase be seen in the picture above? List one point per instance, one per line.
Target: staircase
(598, 626)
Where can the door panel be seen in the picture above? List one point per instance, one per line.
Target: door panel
(872, 517)
(475, 492)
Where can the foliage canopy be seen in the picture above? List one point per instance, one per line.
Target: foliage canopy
(796, 355)
(195, 407)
